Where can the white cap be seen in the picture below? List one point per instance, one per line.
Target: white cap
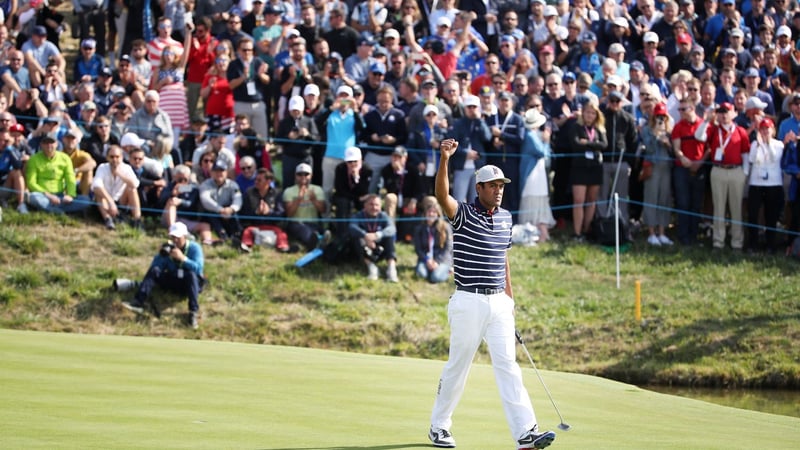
(615, 80)
(152, 94)
(344, 90)
(616, 48)
(490, 173)
(430, 109)
(534, 119)
(736, 32)
(391, 32)
(650, 37)
(302, 168)
(783, 30)
(621, 22)
(444, 21)
(178, 229)
(293, 32)
(311, 89)
(297, 103)
(550, 11)
(472, 100)
(755, 103)
(131, 139)
(352, 154)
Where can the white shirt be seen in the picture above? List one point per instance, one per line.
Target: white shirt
(763, 164)
(113, 184)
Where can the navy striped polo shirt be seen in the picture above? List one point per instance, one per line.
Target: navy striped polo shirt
(480, 241)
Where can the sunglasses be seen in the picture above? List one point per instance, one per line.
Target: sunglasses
(247, 167)
(206, 161)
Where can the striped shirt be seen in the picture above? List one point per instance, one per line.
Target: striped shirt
(480, 241)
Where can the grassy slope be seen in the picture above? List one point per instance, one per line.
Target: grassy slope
(88, 391)
(723, 320)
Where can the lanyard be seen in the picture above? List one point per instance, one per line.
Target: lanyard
(589, 133)
(723, 145)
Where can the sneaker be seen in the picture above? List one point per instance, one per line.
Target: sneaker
(138, 308)
(441, 438)
(195, 320)
(654, 241)
(22, 208)
(391, 274)
(109, 223)
(664, 240)
(533, 439)
(372, 271)
(245, 248)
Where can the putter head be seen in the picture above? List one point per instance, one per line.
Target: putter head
(563, 426)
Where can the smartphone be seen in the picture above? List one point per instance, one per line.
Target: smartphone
(184, 188)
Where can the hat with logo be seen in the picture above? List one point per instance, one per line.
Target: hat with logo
(444, 21)
(621, 22)
(471, 100)
(660, 109)
(311, 89)
(546, 49)
(273, 9)
(751, 72)
(391, 33)
(637, 65)
(650, 37)
(366, 41)
(684, 38)
(400, 150)
(352, 154)
(178, 229)
(766, 122)
(297, 103)
(220, 164)
(302, 168)
(378, 67)
(39, 30)
(89, 43)
(569, 76)
(490, 173)
(486, 91)
(16, 128)
(344, 89)
(589, 36)
(106, 72)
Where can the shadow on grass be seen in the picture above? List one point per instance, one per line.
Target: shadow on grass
(372, 447)
(703, 338)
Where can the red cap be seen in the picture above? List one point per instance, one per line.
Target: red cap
(546, 49)
(18, 127)
(724, 107)
(766, 122)
(660, 109)
(684, 38)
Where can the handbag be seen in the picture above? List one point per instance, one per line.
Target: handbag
(647, 171)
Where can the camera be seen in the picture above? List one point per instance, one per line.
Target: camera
(373, 254)
(166, 248)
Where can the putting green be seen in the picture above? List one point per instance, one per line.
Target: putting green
(112, 392)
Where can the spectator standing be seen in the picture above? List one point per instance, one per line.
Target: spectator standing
(656, 174)
(475, 137)
(343, 124)
(297, 133)
(622, 139)
(588, 140)
(727, 145)
(342, 38)
(201, 59)
(763, 171)
(690, 174)
(92, 17)
(534, 182)
(217, 93)
(508, 132)
(162, 41)
(246, 75)
(168, 79)
(384, 128)
(423, 147)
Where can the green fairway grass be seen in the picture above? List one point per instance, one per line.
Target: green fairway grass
(60, 390)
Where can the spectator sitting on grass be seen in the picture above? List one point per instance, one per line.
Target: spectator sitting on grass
(11, 171)
(304, 202)
(115, 186)
(433, 243)
(261, 208)
(373, 235)
(150, 181)
(82, 162)
(51, 180)
(221, 198)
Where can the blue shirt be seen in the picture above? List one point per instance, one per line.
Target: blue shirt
(10, 160)
(341, 133)
(480, 241)
(194, 260)
(789, 124)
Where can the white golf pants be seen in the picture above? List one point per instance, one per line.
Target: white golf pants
(472, 318)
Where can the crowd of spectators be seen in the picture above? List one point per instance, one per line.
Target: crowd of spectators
(178, 109)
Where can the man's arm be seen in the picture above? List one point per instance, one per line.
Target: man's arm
(446, 201)
(509, 290)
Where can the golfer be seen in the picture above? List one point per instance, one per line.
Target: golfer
(482, 307)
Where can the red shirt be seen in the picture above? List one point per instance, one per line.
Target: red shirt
(220, 99)
(732, 149)
(690, 147)
(201, 59)
(446, 62)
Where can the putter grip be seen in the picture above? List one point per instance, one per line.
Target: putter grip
(519, 336)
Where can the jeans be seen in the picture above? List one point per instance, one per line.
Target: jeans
(186, 283)
(438, 275)
(689, 194)
(40, 201)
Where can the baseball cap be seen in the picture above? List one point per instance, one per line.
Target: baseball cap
(486, 91)
(430, 109)
(550, 11)
(106, 72)
(614, 80)
(725, 106)
(751, 72)
(302, 168)
(72, 132)
(766, 122)
(783, 30)
(88, 105)
(546, 49)
(684, 38)
(589, 36)
(125, 58)
(490, 173)
(505, 95)
(444, 21)
(796, 97)
(391, 33)
(297, 103)
(471, 100)
(428, 82)
(617, 95)
(650, 37)
(660, 109)
(272, 9)
(377, 67)
(507, 38)
(698, 49)
(311, 89)
(366, 41)
(400, 150)
(621, 22)
(344, 90)
(335, 55)
(616, 48)
(358, 90)
(755, 103)
(352, 154)
(16, 128)
(728, 2)
(219, 164)
(178, 229)
(736, 32)
(728, 51)
(294, 32)
(89, 43)
(131, 139)
(569, 76)
(47, 138)
(39, 30)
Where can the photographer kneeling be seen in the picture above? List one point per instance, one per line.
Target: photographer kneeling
(178, 267)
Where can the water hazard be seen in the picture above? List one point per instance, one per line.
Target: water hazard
(785, 403)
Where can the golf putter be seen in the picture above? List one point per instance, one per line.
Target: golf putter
(563, 425)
